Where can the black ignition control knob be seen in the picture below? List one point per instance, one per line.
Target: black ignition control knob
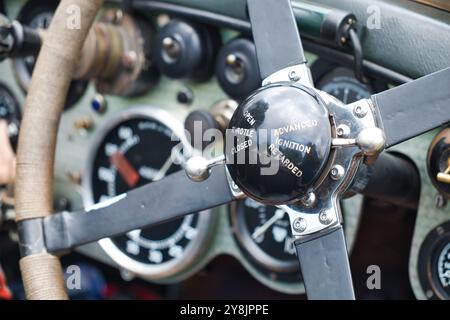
(278, 143)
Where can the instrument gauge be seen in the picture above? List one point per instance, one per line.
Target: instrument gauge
(443, 265)
(137, 148)
(264, 235)
(10, 111)
(341, 84)
(38, 15)
(434, 263)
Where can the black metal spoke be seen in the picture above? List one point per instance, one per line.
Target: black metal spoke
(275, 34)
(414, 108)
(325, 266)
(152, 204)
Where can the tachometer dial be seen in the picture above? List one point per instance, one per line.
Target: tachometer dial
(342, 84)
(10, 111)
(434, 263)
(38, 15)
(264, 233)
(137, 148)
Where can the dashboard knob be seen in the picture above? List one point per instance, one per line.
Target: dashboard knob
(197, 123)
(237, 68)
(186, 50)
(278, 143)
(438, 162)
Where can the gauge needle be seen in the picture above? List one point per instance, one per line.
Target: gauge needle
(279, 214)
(125, 169)
(165, 167)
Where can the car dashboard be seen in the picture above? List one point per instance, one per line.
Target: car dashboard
(116, 136)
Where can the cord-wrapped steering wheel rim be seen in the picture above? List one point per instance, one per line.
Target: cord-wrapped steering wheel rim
(41, 272)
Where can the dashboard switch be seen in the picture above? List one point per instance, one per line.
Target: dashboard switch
(438, 162)
(197, 123)
(186, 50)
(237, 69)
(444, 177)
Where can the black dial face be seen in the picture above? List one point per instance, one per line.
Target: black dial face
(38, 15)
(264, 233)
(342, 84)
(135, 152)
(443, 268)
(434, 263)
(10, 111)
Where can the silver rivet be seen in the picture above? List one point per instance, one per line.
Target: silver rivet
(309, 200)
(325, 218)
(337, 172)
(299, 225)
(342, 131)
(360, 110)
(293, 76)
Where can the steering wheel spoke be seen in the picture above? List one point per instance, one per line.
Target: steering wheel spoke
(325, 266)
(321, 249)
(413, 108)
(152, 204)
(279, 49)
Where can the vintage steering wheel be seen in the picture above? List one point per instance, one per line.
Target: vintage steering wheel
(288, 144)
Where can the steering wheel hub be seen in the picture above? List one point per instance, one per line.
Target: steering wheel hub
(279, 140)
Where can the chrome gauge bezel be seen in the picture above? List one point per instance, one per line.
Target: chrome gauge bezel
(206, 220)
(431, 249)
